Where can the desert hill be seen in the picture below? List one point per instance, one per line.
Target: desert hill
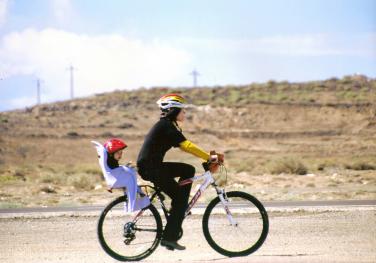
(271, 132)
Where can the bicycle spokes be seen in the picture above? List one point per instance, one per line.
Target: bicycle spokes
(236, 225)
(129, 236)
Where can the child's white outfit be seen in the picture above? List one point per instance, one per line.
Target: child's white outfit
(122, 177)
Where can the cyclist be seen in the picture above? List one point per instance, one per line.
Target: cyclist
(164, 135)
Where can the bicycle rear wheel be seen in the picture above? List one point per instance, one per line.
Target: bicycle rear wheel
(248, 231)
(125, 238)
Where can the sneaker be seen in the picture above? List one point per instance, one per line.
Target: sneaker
(171, 245)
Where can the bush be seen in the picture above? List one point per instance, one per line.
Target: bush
(290, 166)
(49, 189)
(126, 126)
(22, 151)
(326, 164)
(359, 166)
(72, 134)
(82, 181)
(53, 178)
(6, 178)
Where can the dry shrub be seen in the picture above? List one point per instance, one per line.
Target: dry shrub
(359, 166)
(91, 169)
(243, 166)
(289, 166)
(72, 134)
(327, 164)
(56, 178)
(82, 181)
(47, 178)
(6, 178)
(49, 189)
(11, 176)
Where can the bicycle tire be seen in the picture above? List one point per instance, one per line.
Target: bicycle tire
(258, 210)
(110, 251)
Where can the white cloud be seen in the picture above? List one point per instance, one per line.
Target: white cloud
(299, 45)
(3, 11)
(104, 62)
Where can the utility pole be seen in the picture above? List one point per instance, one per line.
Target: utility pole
(38, 92)
(195, 74)
(71, 69)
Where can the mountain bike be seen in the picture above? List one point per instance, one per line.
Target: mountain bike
(229, 216)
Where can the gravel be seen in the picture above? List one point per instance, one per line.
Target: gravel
(300, 235)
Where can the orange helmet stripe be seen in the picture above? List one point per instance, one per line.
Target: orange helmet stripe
(173, 96)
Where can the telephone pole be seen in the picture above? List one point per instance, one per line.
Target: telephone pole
(38, 92)
(71, 70)
(195, 74)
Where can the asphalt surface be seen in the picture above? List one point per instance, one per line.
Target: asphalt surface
(305, 231)
(273, 204)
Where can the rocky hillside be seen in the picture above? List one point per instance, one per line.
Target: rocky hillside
(271, 128)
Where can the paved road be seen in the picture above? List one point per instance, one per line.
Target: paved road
(274, 204)
(323, 232)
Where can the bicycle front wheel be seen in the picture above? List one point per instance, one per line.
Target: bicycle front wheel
(238, 229)
(129, 236)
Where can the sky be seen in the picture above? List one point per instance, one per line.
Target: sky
(123, 45)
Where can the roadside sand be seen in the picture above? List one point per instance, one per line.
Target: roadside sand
(314, 235)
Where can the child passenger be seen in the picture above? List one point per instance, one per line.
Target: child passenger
(120, 176)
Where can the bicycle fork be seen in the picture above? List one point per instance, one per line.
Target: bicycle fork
(224, 200)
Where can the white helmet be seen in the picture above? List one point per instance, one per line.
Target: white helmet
(171, 101)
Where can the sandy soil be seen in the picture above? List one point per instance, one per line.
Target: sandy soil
(316, 235)
(324, 129)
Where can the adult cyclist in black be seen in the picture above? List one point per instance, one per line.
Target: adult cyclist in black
(164, 135)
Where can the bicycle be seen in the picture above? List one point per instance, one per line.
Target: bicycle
(135, 236)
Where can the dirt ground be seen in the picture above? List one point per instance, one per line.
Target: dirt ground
(282, 141)
(315, 235)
